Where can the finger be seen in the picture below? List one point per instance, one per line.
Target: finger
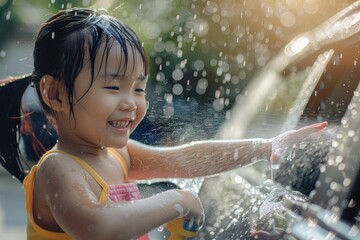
(199, 222)
(275, 157)
(311, 129)
(260, 234)
(191, 223)
(318, 126)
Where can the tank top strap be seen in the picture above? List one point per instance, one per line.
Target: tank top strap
(98, 179)
(122, 161)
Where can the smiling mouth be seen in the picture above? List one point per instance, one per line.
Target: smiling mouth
(119, 124)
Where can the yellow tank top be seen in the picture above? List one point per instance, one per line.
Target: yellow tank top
(34, 231)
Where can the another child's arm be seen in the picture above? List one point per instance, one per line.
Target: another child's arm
(209, 157)
(72, 199)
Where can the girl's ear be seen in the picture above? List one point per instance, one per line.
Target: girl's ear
(53, 93)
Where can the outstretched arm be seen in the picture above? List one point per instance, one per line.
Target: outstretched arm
(196, 159)
(209, 157)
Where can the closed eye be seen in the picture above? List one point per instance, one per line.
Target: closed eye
(112, 88)
(140, 90)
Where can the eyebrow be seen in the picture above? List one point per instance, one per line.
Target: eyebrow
(141, 77)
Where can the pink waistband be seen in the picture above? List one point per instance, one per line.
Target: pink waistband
(124, 192)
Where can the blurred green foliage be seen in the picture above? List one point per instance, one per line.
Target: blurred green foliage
(203, 53)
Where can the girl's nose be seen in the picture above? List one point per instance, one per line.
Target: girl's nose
(127, 104)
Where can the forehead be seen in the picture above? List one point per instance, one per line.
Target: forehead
(111, 57)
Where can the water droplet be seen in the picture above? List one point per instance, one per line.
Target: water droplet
(177, 74)
(346, 182)
(177, 89)
(218, 104)
(236, 154)
(8, 14)
(2, 53)
(351, 133)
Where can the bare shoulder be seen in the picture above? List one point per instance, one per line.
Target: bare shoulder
(57, 173)
(59, 166)
(60, 183)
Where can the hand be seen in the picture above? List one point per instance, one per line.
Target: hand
(191, 207)
(272, 221)
(290, 139)
(275, 234)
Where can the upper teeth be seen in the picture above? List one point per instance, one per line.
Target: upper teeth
(118, 124)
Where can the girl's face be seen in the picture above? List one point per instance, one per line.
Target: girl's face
(106, 114)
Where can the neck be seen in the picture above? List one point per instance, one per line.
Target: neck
(78, 149)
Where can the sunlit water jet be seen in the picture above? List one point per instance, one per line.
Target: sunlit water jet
(307, 89)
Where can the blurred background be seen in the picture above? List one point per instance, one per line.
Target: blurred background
(203, 54)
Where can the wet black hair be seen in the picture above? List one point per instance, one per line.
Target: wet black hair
(60, 49)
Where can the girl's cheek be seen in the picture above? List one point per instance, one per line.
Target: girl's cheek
(144, 107)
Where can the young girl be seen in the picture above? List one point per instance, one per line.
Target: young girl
(90, 73)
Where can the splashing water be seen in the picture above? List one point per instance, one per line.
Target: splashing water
(312, 79)
(245, 111)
